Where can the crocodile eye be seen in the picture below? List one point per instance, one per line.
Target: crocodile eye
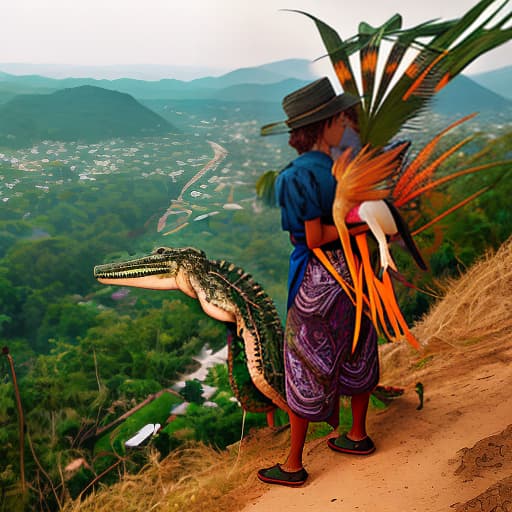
(160, 250)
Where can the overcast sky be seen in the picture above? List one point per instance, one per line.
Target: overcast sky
(215, 34)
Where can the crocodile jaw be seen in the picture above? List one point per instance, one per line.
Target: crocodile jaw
(154, 282)
(165, 269)
(156, 272)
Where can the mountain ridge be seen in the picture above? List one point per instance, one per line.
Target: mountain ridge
(260, 83)
(464, 96)
(24, 118)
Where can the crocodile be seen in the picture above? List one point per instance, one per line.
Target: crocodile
(226, 293)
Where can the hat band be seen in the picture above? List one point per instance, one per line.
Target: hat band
(309, 112)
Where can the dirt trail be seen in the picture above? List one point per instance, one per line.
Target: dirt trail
(426, 460)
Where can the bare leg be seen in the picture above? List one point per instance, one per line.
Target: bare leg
(299, 429)
(359, 411)
(271, 418)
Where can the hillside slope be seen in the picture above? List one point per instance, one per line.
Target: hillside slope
(454, 454)
(463, 96)
(82, 113)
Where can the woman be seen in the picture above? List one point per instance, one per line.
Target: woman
(319, 366)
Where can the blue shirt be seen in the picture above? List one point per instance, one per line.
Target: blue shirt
(305, 190)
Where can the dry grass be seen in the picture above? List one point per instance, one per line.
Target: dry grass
(477, 307)
(194, 479)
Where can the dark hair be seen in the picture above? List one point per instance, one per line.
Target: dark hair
(304, 138)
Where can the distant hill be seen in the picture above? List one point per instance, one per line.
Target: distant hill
(83, 113)
(238, 77)
(169, 88)
(273, 93)
(498, 81)
(111, 72)
(299, 69)
(464, 96)
(294, 68)
(9, 90)
(268, 83)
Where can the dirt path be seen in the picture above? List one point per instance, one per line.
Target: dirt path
(419, 465)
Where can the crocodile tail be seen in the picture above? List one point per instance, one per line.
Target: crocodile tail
(249, 396)
(257, 348)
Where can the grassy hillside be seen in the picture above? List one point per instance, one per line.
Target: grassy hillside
(84, 113)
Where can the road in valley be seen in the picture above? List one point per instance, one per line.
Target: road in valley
(178, 206)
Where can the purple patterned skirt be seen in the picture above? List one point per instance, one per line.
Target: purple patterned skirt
(319, 366)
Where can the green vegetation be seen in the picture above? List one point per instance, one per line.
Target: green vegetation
(155, 412)
(85, 355)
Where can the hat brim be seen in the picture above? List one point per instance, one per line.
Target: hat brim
(335, 106)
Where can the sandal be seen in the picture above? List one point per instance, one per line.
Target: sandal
(343, 444)
(277, 475)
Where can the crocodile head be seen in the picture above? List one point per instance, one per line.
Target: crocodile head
(164, 269)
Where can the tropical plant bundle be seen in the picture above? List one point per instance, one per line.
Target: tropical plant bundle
(443, 49)
(394, 96)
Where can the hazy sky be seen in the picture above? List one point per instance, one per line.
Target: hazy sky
(223, 34)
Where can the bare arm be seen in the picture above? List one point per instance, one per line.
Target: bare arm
(318, 234)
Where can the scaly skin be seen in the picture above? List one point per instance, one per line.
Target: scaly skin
(228, 294)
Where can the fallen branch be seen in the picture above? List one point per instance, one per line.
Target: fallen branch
(127, 414)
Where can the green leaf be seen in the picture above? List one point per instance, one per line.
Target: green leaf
(265, 188)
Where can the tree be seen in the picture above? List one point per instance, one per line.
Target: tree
(193, 391)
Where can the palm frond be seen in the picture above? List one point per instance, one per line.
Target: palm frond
(420, 178)
(445, 179)
(337, 51)
(438, 60)
(412, 169)
(370, 39)
(368, 55)
(406, 40)
(392, 100)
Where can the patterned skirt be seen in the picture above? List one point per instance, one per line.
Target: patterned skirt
(319, 366)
